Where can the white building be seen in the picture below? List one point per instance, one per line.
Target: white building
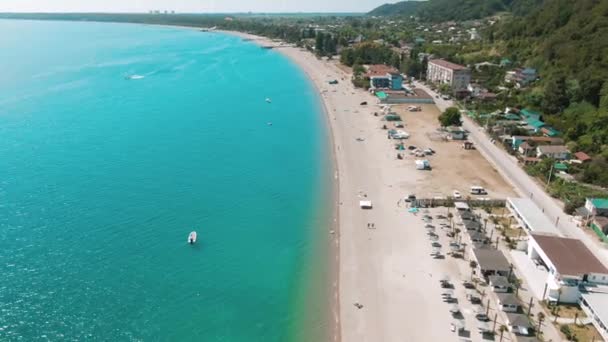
(530, 217)
(570, 265)
(444, 72)
(595, 305)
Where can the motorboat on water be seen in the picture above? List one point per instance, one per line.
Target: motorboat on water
(268, 100)
(134, 77)
(192, 237)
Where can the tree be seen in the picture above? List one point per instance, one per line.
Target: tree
(451, 117)
(516, 284)
(502, 330)
(319, 43)
(473, 266)
(555, 98)
(541, 318)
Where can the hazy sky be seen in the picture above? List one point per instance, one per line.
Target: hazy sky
(190, 5)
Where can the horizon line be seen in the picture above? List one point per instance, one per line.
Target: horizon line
(178, 13)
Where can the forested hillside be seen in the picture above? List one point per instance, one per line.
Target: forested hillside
(403, 8)
(445, 10)
(568, 42)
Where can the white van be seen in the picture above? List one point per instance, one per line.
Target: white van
(478, 190)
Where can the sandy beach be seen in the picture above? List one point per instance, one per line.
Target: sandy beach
(388, 288)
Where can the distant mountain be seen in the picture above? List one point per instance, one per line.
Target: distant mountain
(444, 10)
(403, 8)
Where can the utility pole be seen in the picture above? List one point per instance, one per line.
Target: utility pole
(530, 306)
(550, 174)
(488, 307)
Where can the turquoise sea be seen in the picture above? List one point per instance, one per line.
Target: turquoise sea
(116, 141)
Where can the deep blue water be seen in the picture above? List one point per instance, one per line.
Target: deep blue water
(102, 177)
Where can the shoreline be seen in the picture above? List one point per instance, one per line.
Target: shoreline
(334, 226)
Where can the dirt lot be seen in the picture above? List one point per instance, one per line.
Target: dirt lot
(453, 168)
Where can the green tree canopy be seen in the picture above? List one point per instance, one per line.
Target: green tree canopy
(451, 117)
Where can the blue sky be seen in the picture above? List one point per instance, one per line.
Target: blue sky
(190, 5)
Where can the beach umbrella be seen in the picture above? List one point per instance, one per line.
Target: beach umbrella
(448, 292)
(413, 210)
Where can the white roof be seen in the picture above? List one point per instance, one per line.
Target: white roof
(365, 203)
(461, 205)
(599, 303)
(536, 220)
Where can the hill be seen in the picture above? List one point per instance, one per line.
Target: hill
(403, 8)
(445, 10)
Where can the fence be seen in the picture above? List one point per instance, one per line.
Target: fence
(449, 202)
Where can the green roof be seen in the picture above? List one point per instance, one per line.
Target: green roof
(601, 203)
(551, 131)
(535, 123)
(381, 95)
(528, 113)
(560, 166)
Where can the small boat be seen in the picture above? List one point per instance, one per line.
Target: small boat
(268, 100)
(269, 123)
(192, 238)
(134, 77)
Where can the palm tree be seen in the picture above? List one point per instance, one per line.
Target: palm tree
(516, 284)
(502, 330)
(541, 318)
(473, 266)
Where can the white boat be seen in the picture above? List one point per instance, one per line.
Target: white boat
(192, 237)
(268, 100)
(135, 77)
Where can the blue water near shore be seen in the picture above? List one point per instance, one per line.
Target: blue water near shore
(102, 177)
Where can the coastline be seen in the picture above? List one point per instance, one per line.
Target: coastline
(334, 229)
(385, 270)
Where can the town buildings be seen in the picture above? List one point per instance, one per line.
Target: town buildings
(521, 77)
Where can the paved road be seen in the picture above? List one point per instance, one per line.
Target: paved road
(508, 167)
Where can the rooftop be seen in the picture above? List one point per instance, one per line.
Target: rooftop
(601, 203)
(380, 70)
(519, 320)
(446, 64)
(499, 281)
(582, 156)
(569, 256)
(491, 259)
(599, 303)
(508, 299)
(532, 215)
(553, 149)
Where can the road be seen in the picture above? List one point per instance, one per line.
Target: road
(509, 168)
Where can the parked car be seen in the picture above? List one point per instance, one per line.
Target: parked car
(482, 317)
(364, 103)
(456, 194)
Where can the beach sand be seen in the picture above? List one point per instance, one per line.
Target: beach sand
(387, 269)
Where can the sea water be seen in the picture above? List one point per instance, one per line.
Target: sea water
(116, 141)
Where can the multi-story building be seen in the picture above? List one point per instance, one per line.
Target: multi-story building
(570, 264)
(384, 77)
(444, 72)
